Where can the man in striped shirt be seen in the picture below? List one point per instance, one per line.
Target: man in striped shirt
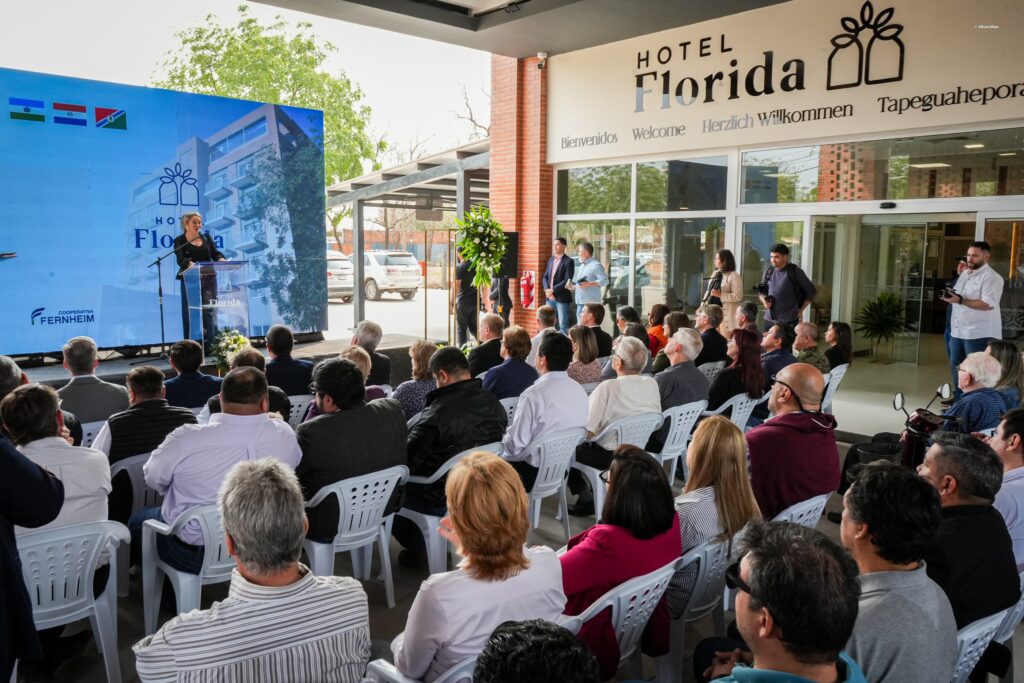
(279, 621)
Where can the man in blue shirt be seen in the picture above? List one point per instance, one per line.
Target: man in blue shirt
(589, 279)
(979, 406)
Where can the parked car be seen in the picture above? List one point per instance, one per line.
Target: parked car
(340, 276)
(391, 271)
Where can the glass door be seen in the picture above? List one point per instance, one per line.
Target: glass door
(1006, 237)
(754, 257)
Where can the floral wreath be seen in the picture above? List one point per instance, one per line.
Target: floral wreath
(482, 243)
(227, 346)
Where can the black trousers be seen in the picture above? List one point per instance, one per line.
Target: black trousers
(526, 471)
(465, 320)
(593, 455)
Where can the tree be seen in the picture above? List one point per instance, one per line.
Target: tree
(273, 64)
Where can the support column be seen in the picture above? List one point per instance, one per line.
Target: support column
(358, 267)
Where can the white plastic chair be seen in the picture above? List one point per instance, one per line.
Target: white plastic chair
(437, 547)
(711, 370)
(589, 387)
(632, 429)
(142, 497)
(807, 513)
(711, 560)
(681, 420)
(361, 523)
(1005, 633)
(971, 641)
(510, 404)
(413, 420)
(835, 377)
(217, 564)
(198, 409)
(382, 671)
(632, 604)
(298, 411)
(388, 391)
(90, 430)
(742, 406)
(58, 566)
(554, 452)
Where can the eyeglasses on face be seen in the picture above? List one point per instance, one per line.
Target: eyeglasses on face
(603, 475)
(733, 580)
(776, 380)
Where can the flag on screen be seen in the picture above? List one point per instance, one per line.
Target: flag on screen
(26, 110)
(69, 114)
(114, 119)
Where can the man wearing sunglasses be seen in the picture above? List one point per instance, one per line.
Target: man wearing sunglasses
(793, 456)
(785, 568)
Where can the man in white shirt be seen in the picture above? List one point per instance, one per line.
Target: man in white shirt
(547, 316)
(279, 621)
(630, 393)
(976, 319)
(32, 418)
(189, 466)
(553, 403)
(1008, 443)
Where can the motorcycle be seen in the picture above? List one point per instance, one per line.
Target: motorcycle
(919, 427)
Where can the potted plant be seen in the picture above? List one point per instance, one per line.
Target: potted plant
(880, 320)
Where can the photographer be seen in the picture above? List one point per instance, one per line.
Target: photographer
(785, 290)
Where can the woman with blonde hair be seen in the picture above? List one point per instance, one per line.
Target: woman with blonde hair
(361, 358)
(717, 501)
(584, 367)
(412, 394)
(1011, 381)
(500, 579)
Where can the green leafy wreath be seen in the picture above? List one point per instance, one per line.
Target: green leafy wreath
(482, 242)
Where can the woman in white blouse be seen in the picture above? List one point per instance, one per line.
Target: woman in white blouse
(499, 579)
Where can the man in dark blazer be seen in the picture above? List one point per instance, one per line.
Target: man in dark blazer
(86, 395)
(284, 372)
(557, 274)
(488, 355)
(593, 317)
(330, 454)
(716, 348)
(368, 335)
(191, 388)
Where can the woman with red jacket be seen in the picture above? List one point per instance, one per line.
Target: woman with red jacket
(638, 533)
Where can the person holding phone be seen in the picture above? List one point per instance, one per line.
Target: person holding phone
(590, 278)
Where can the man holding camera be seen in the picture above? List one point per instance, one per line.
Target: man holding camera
(974, 298)
(785, 290)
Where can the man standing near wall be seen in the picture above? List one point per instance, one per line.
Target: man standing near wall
(558, 273)
(589, 279)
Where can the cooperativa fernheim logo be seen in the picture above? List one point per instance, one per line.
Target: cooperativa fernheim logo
(868, 51)
(79, 315)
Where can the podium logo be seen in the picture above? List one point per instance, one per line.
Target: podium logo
(869, 51)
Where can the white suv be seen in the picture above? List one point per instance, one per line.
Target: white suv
(390, 271)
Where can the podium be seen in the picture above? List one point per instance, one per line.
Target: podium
(217, 294)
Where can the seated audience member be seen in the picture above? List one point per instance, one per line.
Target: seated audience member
(656, 331)
(488, 354)
(30, 497)
(806, 345)
(746, 317)
(784, 568)
(191, 388)
(32, 419)
(514, 374)
(714, 350)
(674, 321)
(86, 395)
(624, 315)
(905, 629)
(775, 344)
(367, 336)
(537, 651)
(138, 430)
(11, 376)
(585, 368)
(251, 358)
(555, 402)
(267, 626)
(717, 501)
(329, 451)
(637, 331)
(499, 579)
(288, 374)
(682, 382)
(412, 393)
(980, 406)
(971, 557)
(458, 415)
(743, 375)
(629, 394)
(638, 533)
(839, 338)
(1008, 444)
(362, 360)
(593, 317)
(1011, 379)
(547, 320)
(191, 463)
(793, 456)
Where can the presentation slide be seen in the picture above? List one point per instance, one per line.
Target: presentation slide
(94, 178)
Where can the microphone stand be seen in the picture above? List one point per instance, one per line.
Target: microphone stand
(160, 295)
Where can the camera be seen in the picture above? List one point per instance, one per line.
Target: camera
(761, 288)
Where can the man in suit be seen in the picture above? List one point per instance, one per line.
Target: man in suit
(284, 372)
(592, 317)
(191, 388)
(488, 354)
(368, 335)
(557, 274)
(715, 349)
(86, 395)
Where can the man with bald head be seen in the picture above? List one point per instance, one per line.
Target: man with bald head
(793, 455)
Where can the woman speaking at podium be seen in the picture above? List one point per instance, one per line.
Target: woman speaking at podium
(193, 246)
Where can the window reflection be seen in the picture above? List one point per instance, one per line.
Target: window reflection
(594, 189)
(693, 185)
(673, 258)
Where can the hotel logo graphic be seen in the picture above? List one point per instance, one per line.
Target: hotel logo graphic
(853, 62)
